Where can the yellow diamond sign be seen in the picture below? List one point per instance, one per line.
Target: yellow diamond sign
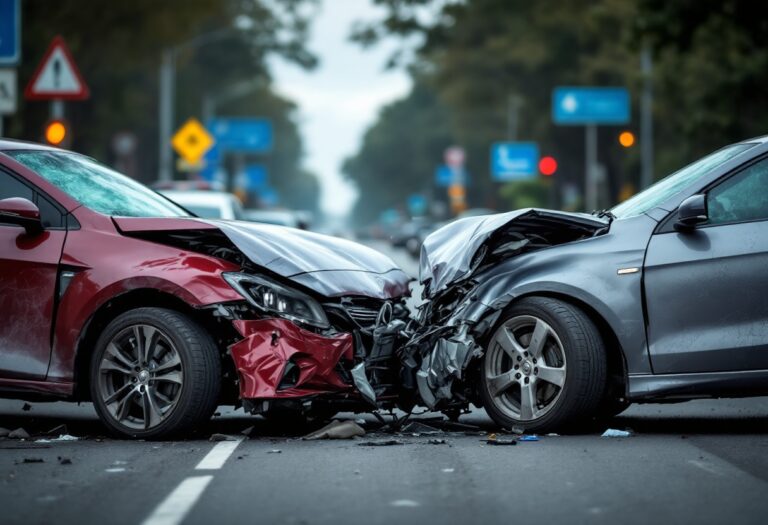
(192, 141)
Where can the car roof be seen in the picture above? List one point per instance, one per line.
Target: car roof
(13, 144)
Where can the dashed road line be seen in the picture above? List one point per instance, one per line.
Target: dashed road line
(218, 455)
(177, 505)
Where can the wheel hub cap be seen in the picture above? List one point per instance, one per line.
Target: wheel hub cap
(143, 376)
(527, 367)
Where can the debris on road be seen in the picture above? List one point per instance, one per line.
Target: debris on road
(63, 437)
(448, 470)
(337, 430)
(528, 437)
(222, 437)
(30, 460)
(19, 433)
(26, 407)
(404, 503)
(383, 443)
(614, 433)
(274, 451)
(248, 431)
(437, 442)
(114, 469)
(493, 439)
(64, 461)
(417, 429)
(4, 432)
(58, 431)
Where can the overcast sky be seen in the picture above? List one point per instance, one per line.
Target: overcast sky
(341, 98)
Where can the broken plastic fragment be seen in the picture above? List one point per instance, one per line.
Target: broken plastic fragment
(528, 437)
(384, 443)
(362, 383)
(614, 433)
(19, 433)
(337, 430)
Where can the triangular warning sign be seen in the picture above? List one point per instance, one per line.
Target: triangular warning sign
(57, 76)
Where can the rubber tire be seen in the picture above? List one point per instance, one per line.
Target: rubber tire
(586, 374)
(200, 363)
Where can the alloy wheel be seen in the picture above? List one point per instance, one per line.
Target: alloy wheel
(525, 369)
(140, 377)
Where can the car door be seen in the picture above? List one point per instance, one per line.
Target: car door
(707, 290)
(28, 276)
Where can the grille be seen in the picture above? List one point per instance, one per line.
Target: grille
(363, 313)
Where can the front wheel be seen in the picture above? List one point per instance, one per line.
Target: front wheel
(544, 369)
(155, 373)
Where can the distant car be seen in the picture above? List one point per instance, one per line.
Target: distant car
(409, 232)
(278, 217)
(207, 204)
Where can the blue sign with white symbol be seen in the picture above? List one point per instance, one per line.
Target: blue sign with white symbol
(252, 178)
(514, 160)
(10, 32)
(447, 176)
(242, 134)
(590, 105)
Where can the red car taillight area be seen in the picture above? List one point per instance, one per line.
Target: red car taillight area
(278, 359)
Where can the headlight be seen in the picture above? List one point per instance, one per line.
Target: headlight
(272, 297)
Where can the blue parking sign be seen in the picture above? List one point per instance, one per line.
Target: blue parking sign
(514, 160)
(10, 32)
(241, 134)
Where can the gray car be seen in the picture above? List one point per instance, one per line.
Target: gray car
(549, 319)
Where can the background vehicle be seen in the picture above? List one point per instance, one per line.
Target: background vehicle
(288, 218)
(208, 204)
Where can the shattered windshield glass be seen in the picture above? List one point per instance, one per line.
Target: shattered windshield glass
(95, 186)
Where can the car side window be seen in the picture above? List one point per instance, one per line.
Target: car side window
(743, 197)
(10, 186)
(50, 216)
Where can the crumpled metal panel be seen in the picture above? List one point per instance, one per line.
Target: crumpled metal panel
(330, 266)
(445, 363)
(269, 345)
(447, 254)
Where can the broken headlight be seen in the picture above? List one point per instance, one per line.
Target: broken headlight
(272, 297)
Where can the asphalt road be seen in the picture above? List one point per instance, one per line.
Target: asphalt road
(702, 461)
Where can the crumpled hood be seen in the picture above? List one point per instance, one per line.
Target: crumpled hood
(328, 265)
(447, 254)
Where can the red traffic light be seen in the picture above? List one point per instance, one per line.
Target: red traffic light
(547, 166)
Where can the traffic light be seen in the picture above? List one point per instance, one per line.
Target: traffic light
(547, 166)
(627, 139)
(56, 132)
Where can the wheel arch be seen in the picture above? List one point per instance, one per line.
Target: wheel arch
(110, 310)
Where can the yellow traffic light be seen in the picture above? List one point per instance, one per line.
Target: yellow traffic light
(627, 139)
(55, 132)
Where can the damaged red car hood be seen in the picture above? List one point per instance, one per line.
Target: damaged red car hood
(449, 254)
(331, 266)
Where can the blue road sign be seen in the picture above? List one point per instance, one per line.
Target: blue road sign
(446, 176)
(269, 196)
(10, 32)
(417, 204)
(242, 134)
(514, 160)
(253, 177)
(590, 105)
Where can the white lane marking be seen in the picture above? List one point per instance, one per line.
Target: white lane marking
(706, 467)
(218, 455)
(404, 503)
(175, 507)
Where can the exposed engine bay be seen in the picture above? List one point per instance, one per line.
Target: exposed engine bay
(366, 350)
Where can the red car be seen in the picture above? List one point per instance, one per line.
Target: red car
(112, 293)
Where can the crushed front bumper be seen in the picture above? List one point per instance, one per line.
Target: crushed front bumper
(277, 359)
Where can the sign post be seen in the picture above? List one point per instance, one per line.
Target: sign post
(590, 107)
(10, 55)
(57, 79)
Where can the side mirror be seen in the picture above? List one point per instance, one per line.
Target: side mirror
(692, 211)
(21, 212)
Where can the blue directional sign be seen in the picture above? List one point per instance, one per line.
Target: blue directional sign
(242, 134)
(253, 177)
(590, 105)
(446, 176)
(514, 160)
(10, 32)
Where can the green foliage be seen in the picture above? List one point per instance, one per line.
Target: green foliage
(710, 73)
(118, 44)
(533, 193)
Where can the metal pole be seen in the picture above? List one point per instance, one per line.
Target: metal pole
(165, 115)
(646, 119)
(590, 168)
(513, 106)
(57, 109)
(1, 125)
(209, 108)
